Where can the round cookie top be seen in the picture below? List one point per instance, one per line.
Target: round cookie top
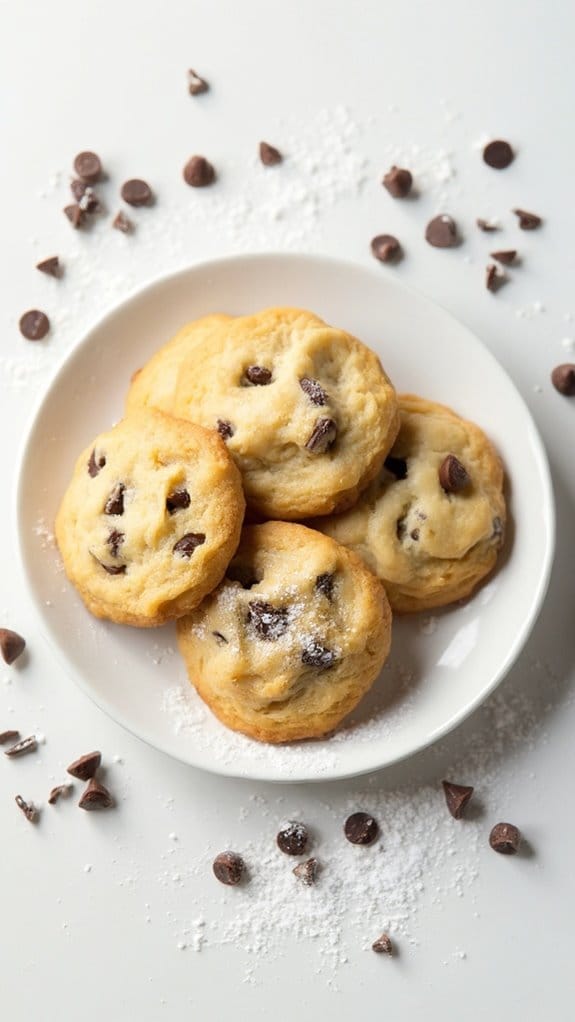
(292, 638)
(433, 522)
(150, 519)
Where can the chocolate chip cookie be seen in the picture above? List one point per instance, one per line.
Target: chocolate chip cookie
(293, 637)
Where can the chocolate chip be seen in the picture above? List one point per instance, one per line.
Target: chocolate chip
(324, 584)
(382, 945)
(95, 464)
(95, 796)
(386, 248)
(242, 573)
(360, 829)
(269, 155)
(505, 256)
(527, 221)
(85, 767)
(398, 182)
(114, 541)
(441, 232)
(122, 223)
(563, 379)
(78, 188)
(75, 214)
(457, 796)
(228, 868)
(220, 639)
(316, 655)
(323, 436)
(486, 225)
(453, 476)
(89, 202)
(188, 543)
(12, 645)
(498, 154)
(111, 569)
(400, 527)
(196, 85)
(397, 466)
(176, 500)
(34, 325)
(136, 192)
(60, 791)
(268, 622)
(30, 812)
(199, 172)
(50, 266)
(493, 279)
(505, 838)
(115, 502)
(225, 429)
(292, 839)
(88, 167)
(258, 375)
(26, 745)
(8, 736)
(306, 872)
(314, 390)
(414, 534)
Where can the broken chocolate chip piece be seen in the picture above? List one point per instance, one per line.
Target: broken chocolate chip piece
(314, 390)
(493, 279)
(29, 810)
(258, 375)
(50, 266)
(114, 541)
(453, 476)
(306, 872)
(324, 584)
(60, 791)
(269, 155)
(397, 466)
(220, 639)
(228, 868)
(486, 225)
(527, 221)
(115, 502)
(398, 182)
(176, 500)
(199, 172)
(268, 622)
(26, 745)
(382, 945)
(505, 256)
(85, 767)
(12, 645)
(95, 463)
(137, 192)
(314, 654)
(441, 232)
(95, 796)
(88, 167)
(323, 436)
(457, 796)
(8, 736)
(34, 325)
(361, 829)
(386, 248)
(75, 214)
(505, 838)
(292, 839)
(225, 429)
(563, 379)
(122, 223)
(188, 543)
(196, 84)
(498, 154)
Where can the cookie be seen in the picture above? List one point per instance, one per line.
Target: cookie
(150, 519)
(293, 637)
(432, 524)
(306, 410)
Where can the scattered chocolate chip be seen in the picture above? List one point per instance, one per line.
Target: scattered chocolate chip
(527, 221)
(196, 85)
(453, 476)
(115, 502)
(324, 584)
(258, 375)
(398, 182)
(457, 796)
(12, 645)
(111, 569)
(85, 767)
(60, 791)
(95, 796)
(563, 379)
(34, 325)
(314, 390)
(441, 232)
(242, 573)
(26, 745)
(414, 534)
(323, 436)
(136, 192)
(386, 248)
(114, 541)
(30, 812)
(505, 256)
(8, 736)
(306, 872)
(225, 429)
(383, 945)
(269, 155)
(361, 829)
(199, 172)
(220, 639)
(75, 214)
(397, 466)
(493, 279)
(95, 463)
(292, 839)
(176, 500)
(316, 655)
(228, 868)
(498, 154)
(78, 188)
(268, 622)
(486, 225)
(188, 543)
(122, 223)
(88, 167)
(50, 266)
(505, 838)
(89, 203)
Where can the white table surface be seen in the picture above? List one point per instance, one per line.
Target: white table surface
(441, 77)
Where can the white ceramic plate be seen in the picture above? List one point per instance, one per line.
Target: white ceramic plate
(442, 665)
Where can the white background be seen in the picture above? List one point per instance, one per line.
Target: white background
(439, 77)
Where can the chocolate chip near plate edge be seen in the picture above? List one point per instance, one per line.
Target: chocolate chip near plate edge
(199, 172)
(136, 192)
(505, 256)
(441, 232)
(527, 221)
(258, 375)
(397, 466)
(268, 622)
(486, 225)
(360, 829)
(196, 84)
(88, 167)
(12, 645)
(324, 584)
(505, 838)
(306, 871)
(382, 945)
(115, 502)
(95, 796)
(323, 436)
(34, 325)
(563, 379)
(493, 279)
(292, 839)
(398, 182)
(29, 810)
(176, 500)
(498, 154)
(453, 476)
(314, 654)
(228, 868)
(188, 543)
(50, 266)
(122, 223)
(21, 748)
(225, 429)
(457, 796)
(94, 465)
(269, 155)
(314, 390)
(8, 736)
(85, 767)
(60, 791)
(75, 214)
(386, 248)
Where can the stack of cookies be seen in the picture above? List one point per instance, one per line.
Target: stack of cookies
(279, 419)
